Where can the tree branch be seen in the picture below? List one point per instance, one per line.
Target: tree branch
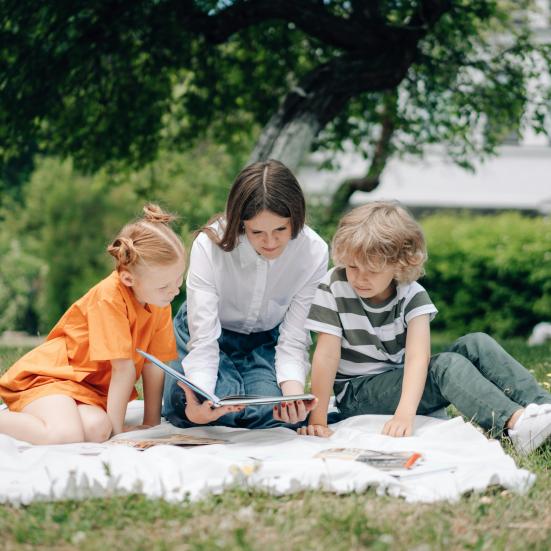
(309, 16)
(368, 10)
(321, 95)
(429, 12)
(383, 150)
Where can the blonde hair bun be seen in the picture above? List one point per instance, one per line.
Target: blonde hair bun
(154, 213)
(123, 250)
(147, 240)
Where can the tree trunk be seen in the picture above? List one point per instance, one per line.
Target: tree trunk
(286, 142)
(321, 95)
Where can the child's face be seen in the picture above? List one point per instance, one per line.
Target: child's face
(268, 233)
(373, 285)
(157, 285)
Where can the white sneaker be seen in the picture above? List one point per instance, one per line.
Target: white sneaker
(532, 428)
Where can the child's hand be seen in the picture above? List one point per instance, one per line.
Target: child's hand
(316, 430)
(204, 413)
(294, 412)
(399, 425)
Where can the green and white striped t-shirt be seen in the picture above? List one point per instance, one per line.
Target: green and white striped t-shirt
(373, 335)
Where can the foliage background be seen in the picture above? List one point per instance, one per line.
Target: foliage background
(165, 101)
(489, 273)
(485, 273)
(53, 240)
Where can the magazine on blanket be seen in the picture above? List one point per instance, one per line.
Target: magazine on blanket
(236, 400)
(171, 440)
(385, 461)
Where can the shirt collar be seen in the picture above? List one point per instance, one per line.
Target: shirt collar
(247, 254)
(130, 297)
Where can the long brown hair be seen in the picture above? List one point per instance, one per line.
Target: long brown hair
(266, 185)
(147, 240)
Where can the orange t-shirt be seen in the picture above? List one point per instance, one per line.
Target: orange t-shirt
(107, 323)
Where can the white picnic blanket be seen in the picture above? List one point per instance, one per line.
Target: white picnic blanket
(457, 458)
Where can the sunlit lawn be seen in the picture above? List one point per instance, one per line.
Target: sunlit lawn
(494, 520)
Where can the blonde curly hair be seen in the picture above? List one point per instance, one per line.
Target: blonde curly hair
(379, 234)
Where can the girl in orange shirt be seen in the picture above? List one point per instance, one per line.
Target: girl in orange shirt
(76, 386)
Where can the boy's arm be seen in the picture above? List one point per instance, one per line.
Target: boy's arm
(153, 379)
(123, 377)
(324, 367)
(416, 364)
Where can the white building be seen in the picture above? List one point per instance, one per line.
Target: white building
(519, 177)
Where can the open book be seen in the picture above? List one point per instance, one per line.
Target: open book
(237, 400)
(173, 440)
(385, 461)
(399, 464)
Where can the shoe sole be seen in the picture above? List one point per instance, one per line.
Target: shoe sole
(536, 441)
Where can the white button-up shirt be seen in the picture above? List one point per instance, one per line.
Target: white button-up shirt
(244, 292)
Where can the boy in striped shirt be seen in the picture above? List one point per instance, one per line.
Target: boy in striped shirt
(373, 346)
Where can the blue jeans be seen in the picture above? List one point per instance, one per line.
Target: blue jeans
(247, 366)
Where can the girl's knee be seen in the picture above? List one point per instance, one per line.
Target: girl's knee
(64, 435)
(98, 429)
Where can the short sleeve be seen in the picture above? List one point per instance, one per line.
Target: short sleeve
(419, 304)
(324, 315)
(109, 331)
(163, 342)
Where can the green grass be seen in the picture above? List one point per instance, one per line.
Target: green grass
(494, 520)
